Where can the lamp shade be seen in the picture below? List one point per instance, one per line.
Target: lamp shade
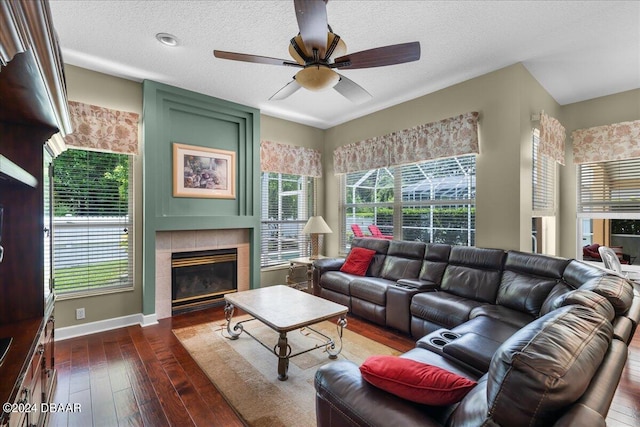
(316, 225)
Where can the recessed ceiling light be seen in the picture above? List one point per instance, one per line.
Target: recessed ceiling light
(167, 39)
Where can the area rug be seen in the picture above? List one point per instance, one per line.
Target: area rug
(245, 372)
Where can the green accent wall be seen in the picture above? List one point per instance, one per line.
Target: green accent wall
(176, 115)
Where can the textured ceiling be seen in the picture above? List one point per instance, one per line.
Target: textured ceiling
(577, 50)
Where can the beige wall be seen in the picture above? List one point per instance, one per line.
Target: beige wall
(605, 110)
(505, 100)
(283, 131)
(119, 94)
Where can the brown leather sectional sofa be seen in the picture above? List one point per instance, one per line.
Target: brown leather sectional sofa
(545, 337)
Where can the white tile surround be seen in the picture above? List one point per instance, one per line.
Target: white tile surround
(168, 242)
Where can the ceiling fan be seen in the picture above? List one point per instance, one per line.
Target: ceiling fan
(318, 51)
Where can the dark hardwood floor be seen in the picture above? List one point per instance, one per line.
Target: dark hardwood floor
(144, 377)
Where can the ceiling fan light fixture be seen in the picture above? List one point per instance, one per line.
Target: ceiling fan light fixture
(317, 78)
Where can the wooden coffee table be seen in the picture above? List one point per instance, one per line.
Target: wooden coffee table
(285, 309)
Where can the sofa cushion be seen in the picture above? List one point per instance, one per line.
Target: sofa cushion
(442, 308)
(403, 260)
(415, 381)
(487, 327)
(524, 292)
(473, 273)
(436, 258)
(616, 289)
(509, 316)
(372, 289)
(588, 299)
(358, 261)
(577, 272)
(336, 281)
(546, 366)
(559, 289)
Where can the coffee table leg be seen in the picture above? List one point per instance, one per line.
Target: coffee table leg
(283, 357)
(331, 347)
(228, 314)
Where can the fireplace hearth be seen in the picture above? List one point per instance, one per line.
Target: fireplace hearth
(201, 279)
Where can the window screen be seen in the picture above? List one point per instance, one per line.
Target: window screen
(93, 239)
(431, 201)
(286, 206)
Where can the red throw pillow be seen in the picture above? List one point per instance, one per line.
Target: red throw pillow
(415, 381)
(358, 261)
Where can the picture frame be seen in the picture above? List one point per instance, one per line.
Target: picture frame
(203, 172)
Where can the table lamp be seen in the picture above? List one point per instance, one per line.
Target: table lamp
(314, 227)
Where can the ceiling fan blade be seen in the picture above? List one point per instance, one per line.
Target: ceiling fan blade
(379, 57)
(352, 90)
(288, 90)
(254, 58)
(312, 21)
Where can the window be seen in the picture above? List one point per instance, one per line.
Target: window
(543, 180)
(432, 201)
(543, 203)
(286, 207)
(609, 205)
(93, 239)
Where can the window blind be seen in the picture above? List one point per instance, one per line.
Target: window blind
(432, 201)
(543, 180)
(609, 189)
(93, 238)
(287, 201)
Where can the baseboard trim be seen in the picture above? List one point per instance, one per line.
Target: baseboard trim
(104, 325)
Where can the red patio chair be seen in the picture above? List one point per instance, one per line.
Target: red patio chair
(375, 232)
(357, 231)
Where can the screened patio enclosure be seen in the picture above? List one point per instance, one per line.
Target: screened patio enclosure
(436, 203)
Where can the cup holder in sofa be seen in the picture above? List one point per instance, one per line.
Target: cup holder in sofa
(448, 335)
(436, 340)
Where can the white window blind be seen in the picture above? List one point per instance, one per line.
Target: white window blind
(543, 180)
(609, 189)
(93, 230)
(287, 201)
(432, 201)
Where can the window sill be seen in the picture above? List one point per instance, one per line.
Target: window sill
(94, 293)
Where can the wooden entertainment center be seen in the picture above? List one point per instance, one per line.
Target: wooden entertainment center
(33, 119)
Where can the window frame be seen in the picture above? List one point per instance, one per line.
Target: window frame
(399, 204)
(128, 222)
(305, 207)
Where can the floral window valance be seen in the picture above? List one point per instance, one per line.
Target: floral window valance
(291, 159)
(102, 129)
(552, 137)
(455, 136)
(619, 141)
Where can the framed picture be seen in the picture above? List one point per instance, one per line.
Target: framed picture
(203, 172)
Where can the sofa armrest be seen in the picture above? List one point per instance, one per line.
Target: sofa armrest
(344, 398)
(320, 266)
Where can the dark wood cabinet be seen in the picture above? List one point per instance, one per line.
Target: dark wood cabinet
(33, 119)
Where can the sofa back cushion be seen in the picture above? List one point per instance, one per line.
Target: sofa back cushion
(436, 258)
(527, 280)
(403, 260)
(473, 273)
(540, 370)
(587, 299)
(617, 290)
(380, 246)
(578, 272)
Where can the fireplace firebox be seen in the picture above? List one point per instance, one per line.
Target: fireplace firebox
(200, 279)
